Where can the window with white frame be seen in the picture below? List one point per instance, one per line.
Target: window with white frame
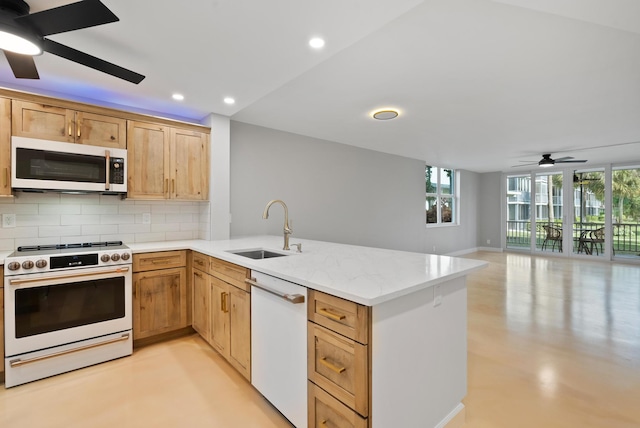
(441, 195)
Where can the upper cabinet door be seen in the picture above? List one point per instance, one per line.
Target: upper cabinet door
(189, 165)
(100, 130)
(42, 121)
(147, 160)
(5, 147)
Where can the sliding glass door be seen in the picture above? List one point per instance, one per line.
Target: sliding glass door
(586, 213)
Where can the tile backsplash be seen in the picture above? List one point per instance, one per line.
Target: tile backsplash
(52, 218)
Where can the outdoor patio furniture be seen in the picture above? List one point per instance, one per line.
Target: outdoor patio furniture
(591, 240)
(553, 236)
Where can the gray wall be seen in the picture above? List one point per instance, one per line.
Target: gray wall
(338, 193)
(489, 210)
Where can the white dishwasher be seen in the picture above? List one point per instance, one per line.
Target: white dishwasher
(279, 345)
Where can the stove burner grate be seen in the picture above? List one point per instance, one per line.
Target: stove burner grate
(66, 246)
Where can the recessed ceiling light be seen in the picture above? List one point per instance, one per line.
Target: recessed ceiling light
(229, 100)
(178, 97)
(385, 114)
(316, 43)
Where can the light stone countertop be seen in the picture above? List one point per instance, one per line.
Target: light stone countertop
(365, 275)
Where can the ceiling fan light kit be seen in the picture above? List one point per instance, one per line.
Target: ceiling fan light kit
(22, 35)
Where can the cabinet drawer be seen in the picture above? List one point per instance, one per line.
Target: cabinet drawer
(347, 318)
(201, 262)
(159, 260)
(231, 273)
(325, 411)
(339, 366)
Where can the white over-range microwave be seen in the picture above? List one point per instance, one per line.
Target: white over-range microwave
(40, 165)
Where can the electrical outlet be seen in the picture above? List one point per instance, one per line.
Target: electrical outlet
(146, 218)
(8, 220)
(434, 248)
(437, 295)
(488, 241)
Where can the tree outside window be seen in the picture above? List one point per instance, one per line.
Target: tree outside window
(440, 195)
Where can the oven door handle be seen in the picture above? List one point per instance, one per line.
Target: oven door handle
(18, 362)
(75, 275)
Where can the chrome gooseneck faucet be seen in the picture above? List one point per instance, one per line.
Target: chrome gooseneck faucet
(287, 229)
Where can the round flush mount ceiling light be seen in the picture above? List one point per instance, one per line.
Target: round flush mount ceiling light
(385, 114)
(177, 97)
(316, 43)
(229, 100)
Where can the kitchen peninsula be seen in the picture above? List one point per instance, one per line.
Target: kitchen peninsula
(417, 344)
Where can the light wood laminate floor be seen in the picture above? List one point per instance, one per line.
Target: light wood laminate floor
(552, 343)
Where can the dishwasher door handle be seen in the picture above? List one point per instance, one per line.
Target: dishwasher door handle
(291, 298)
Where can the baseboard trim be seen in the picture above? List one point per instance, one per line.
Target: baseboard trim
(473, 250)
(455, 419)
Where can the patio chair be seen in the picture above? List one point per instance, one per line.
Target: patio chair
(596, 240)
(553, 235)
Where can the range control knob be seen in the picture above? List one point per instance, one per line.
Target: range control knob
(125, 256)
(27, 264)
(115, 257)
(105, 258)
(41, 263)
(13, 266)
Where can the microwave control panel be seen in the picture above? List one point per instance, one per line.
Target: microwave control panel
(116, 173)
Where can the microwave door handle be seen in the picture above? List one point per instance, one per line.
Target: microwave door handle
(107, 156)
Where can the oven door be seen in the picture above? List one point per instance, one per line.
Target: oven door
(50, 309)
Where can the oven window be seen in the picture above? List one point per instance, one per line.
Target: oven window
(44, 165)
(58, 307)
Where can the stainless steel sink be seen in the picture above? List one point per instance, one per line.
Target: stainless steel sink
(258, 254)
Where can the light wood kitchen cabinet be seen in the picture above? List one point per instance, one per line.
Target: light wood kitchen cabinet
(50, 122)
(201, 283)
(5, 147)
(226, 305)
(159, 293)
(167, 163)
(339, 361)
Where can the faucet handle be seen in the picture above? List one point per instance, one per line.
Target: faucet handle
(298, 246)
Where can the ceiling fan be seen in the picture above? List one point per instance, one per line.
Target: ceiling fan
(22, 35)
(547, 162)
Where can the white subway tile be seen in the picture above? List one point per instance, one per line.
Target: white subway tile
(179, 218)
(134, 228)
(99, 209)
(134, 209)
(49, 209)
(7, 244)
(150, 237)
(117, 219)
(112, 200)
(66, 219)
(79, 239)
(30, 209)
(158, 218)
(165, 227)
(169, 209)
(37, 220)
(47, 231)
(99, 229)
(19, 232)
(177, 236)
(189, 226)
(79, 199)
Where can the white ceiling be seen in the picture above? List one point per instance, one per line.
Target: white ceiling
(480, 84)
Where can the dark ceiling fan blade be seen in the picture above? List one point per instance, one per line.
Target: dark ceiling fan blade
(74, 16)
(564, 158)
(23, 66)
(91, 61)
(571, 161)
(525, 164)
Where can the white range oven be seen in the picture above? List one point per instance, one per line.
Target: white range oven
(66, 307)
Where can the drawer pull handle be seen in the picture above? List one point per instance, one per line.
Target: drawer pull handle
(329, 314)
(160, 261)
(198, 274)
(323, 423)
(331, 366)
